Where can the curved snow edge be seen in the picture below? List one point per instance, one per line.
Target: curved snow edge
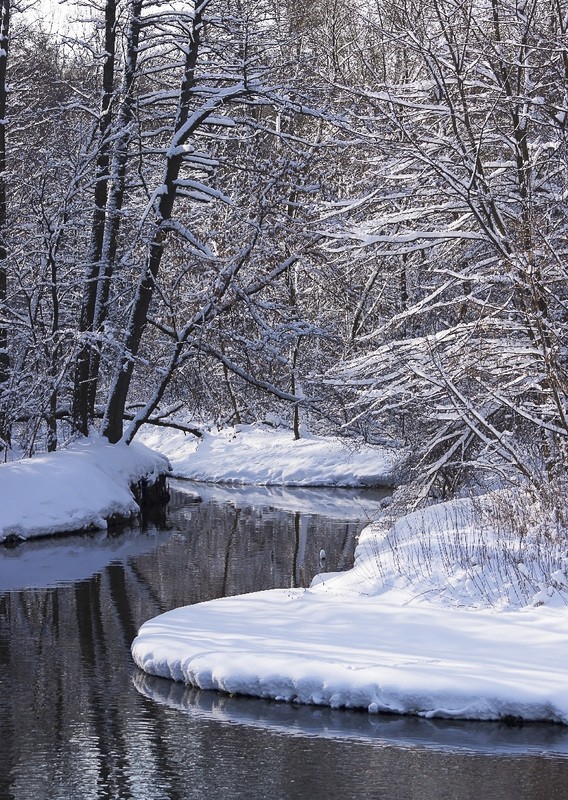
(87, 487)
(246, 645)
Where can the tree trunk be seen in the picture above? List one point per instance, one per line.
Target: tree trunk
(116, 194)
(83, 391)
(4, 358)
(114, 414)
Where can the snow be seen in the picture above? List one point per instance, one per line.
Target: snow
(460, 554)
(343, 650)
(445, 613)
(257, 454)
(76, 489)
(416, 627)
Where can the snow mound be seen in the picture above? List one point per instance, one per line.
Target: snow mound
(464, 553)
(76, 489)
(256, 454)
(311, 647)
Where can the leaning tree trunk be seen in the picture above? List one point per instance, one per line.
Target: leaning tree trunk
(114, 414)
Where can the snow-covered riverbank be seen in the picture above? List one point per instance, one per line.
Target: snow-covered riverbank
(89, 484)
(442, 615)
(335, 648)
(82, 488)
(257, 454)
(409, 629)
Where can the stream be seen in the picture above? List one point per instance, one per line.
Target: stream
(78, 720)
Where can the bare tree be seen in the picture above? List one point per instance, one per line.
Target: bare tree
(468, 191)
(115, 137)
(83, 399)
(4, 357)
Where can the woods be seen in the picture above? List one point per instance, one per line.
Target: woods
(348, 216)
(475, 208)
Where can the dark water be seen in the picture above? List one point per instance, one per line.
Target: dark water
(78, 721)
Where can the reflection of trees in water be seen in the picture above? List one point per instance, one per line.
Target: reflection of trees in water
(221, 550)
(72, 724)
(70, 720)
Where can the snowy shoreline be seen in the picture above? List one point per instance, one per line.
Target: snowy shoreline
(261, 456)
(441, 616)
(86, 487)
(324, 648)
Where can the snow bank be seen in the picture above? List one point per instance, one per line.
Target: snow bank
(428, 622)
(76, 489)
(464, 553)
(256, 454)
(309, 646)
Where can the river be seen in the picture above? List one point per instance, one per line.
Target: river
(77, 720)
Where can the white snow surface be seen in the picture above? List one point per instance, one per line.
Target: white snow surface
(260, 455)
(75, 489)
(434, 620)
(328, 648)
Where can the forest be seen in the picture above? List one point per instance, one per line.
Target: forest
(348, 216)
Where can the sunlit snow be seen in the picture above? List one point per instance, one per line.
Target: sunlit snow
(327, 647)
(71, 490)
(435, 619)
(440, 616)
(256, 454)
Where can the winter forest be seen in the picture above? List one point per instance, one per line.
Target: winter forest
(348, 216)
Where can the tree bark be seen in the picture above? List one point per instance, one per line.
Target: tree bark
(4, 357)
(116, 193)
(83, 391)
(184, 127)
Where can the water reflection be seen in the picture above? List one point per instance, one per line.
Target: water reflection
(57, 561)
(349, 504)
(73, 724)
(241, 539)
(491, 738)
